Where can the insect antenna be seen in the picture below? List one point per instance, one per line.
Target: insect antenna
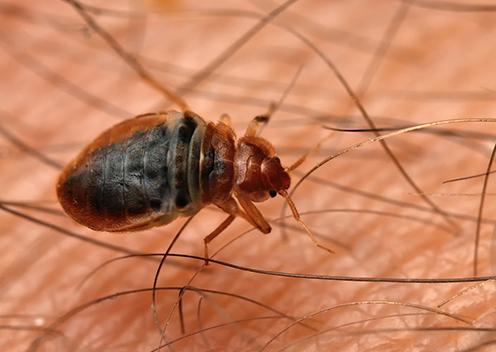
(297, 217)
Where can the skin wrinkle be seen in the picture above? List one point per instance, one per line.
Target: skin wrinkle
(42, 268)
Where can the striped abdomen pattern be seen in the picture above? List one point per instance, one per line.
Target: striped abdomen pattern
(138, 174)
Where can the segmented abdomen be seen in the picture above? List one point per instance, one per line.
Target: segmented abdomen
(140, 173)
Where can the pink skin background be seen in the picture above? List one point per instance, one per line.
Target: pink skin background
(62, 85)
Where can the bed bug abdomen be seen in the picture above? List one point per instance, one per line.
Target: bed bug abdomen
(140, 173)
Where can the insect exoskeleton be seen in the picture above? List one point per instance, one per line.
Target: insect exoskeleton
(149, 170)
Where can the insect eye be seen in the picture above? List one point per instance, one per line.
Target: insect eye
(272, 193)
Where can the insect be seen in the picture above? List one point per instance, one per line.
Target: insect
(151, 169)
(148, 170)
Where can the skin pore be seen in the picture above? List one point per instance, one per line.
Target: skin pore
(409, 63)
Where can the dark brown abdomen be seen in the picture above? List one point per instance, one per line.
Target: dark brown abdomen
(140, 173)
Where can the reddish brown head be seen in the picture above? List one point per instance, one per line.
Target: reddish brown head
(259, 173)
(276, 178)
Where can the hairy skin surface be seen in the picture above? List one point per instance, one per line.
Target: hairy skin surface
(62, 85)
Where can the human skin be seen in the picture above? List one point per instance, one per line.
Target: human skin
(62, 85)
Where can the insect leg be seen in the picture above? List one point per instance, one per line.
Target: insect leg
(230, 206)
(217, 232)
(253, 213)
(225, 119)
(255, 126)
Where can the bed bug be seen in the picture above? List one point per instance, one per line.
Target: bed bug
(148, 170)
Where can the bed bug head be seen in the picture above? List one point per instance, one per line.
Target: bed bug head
(275, 175)
(260, 174)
